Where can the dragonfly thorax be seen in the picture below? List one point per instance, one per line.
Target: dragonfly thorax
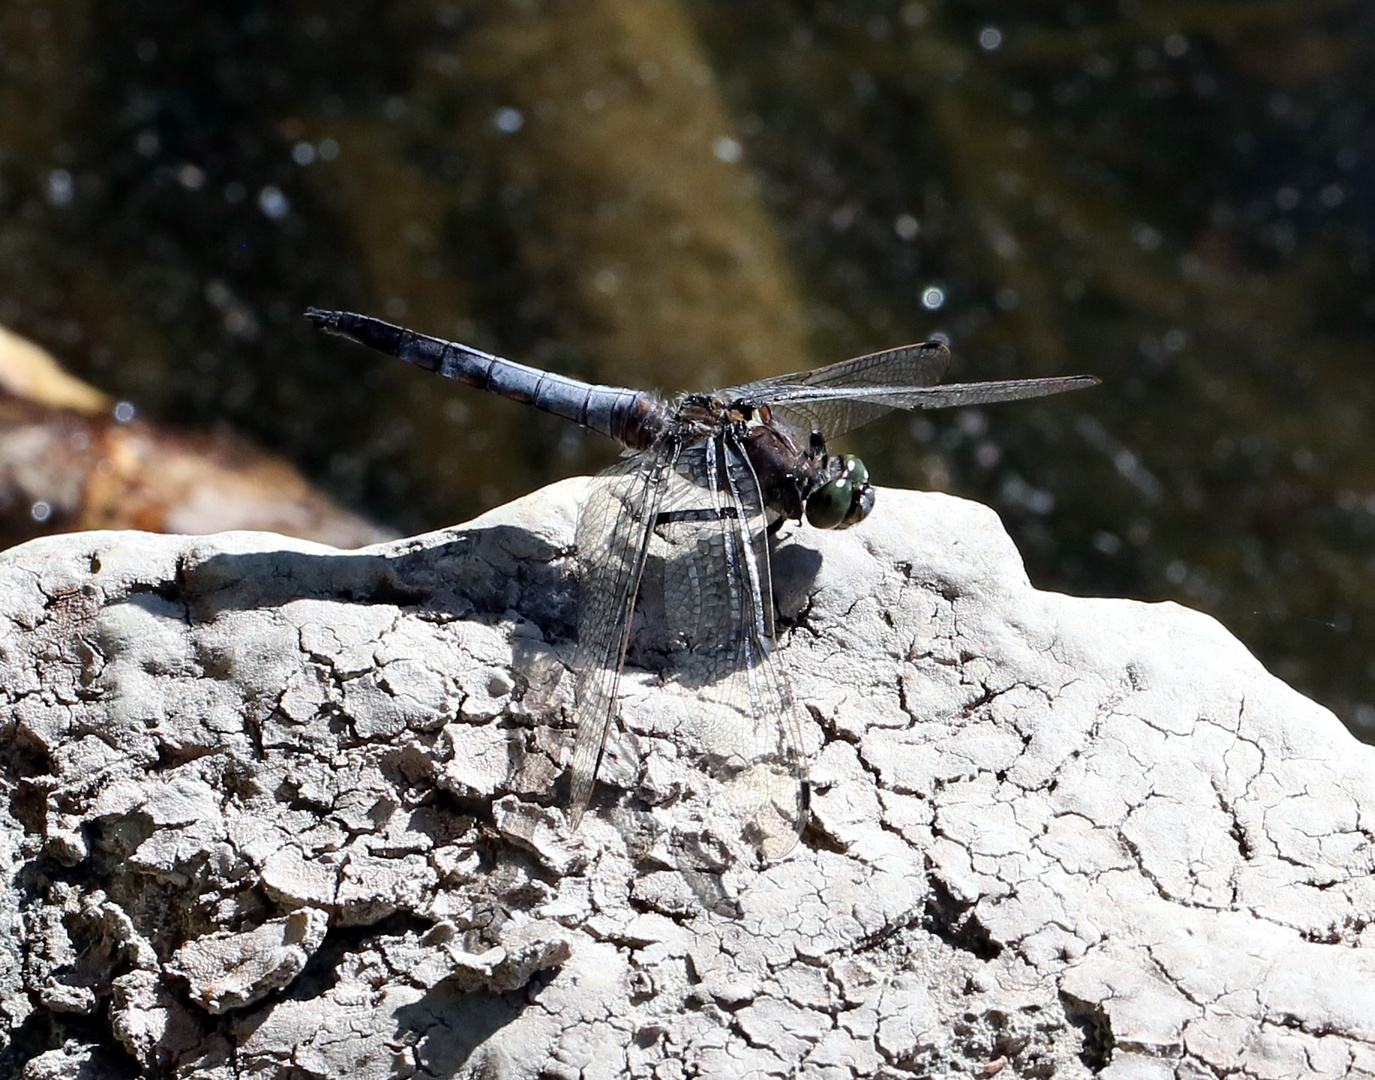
(797, 477)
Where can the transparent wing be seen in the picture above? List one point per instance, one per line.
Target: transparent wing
(718, 600)
(613, 535)
(844, 396)
(908, 365)
(939, 397)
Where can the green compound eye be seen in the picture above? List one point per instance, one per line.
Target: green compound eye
(864, 502)
(855, 470)
(830, 503)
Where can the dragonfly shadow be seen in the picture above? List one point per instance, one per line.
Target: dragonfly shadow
(796, 567)
(480, 572)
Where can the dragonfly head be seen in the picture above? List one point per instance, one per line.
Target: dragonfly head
(845, 498)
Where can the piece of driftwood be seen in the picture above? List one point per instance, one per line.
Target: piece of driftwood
(274, 809)
(72, 459)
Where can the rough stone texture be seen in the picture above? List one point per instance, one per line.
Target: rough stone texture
(273, 810)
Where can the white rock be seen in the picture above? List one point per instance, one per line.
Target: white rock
(227, 970)
(1093, 837)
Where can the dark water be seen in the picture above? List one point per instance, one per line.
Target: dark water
(1178, 198)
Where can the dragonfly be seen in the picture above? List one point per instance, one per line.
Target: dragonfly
(704, 483)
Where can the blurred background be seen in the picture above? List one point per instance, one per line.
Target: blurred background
(1176, 196)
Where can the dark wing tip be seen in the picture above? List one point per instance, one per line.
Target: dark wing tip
(325, 320)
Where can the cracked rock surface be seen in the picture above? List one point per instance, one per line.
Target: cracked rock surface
(272, 809)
